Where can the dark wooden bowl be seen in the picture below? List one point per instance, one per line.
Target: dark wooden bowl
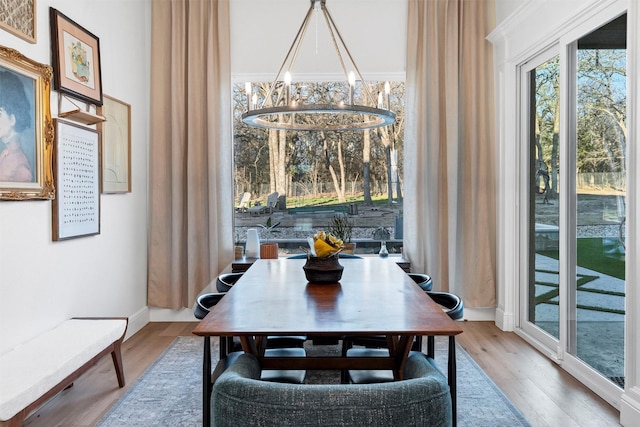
(323, 270)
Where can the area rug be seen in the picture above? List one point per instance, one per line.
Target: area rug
(169, 393)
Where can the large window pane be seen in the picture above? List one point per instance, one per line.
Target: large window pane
(321, 177)
(601, 195)
(544, 222)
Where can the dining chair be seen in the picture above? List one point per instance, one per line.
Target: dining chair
(224, 283)
(229, 350)
(380, 341)
(202, 307)
(454, 308)
(424, 400)
(422, 280)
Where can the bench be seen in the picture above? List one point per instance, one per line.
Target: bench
(37, 370)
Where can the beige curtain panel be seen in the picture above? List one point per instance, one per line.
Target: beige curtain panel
(450, 214)
(190, 154)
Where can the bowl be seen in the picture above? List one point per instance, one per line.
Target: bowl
(323, 270)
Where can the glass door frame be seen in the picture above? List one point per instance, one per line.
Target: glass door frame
(558, 349)
(543, 341)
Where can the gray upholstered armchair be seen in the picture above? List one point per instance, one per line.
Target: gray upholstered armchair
(422, 399)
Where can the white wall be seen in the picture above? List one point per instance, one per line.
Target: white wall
(44, 282)
(504, 8)
(373, 30)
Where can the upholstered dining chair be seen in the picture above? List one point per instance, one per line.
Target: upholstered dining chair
(454, 308)
(380, 341)
(422, 280)
(225, 282)
(231, 350)
(423, 399)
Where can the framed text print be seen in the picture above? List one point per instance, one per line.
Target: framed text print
(76, 209)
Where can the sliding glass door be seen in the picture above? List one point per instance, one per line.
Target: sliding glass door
(597, 297)
(541, 305)
(574, 162)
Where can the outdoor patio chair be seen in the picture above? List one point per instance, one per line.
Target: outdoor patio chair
(272, 201)
(244, 202)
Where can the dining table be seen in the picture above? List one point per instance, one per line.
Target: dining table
(373, 297)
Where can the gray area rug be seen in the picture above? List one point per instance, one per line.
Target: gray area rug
(169, 393)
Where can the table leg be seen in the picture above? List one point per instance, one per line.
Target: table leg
(249, 345)
(400, 350)
(451, 375)
(206, 383)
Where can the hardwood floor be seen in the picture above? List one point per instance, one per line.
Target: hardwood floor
(545, 394)
(542, 391)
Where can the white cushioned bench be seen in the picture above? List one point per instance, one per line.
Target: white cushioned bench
(37, 370)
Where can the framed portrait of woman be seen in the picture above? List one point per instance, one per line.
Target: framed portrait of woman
(26, 128)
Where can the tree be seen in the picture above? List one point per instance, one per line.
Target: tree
(308, 159)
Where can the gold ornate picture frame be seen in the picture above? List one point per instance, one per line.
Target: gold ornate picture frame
(26, 149)
(115, 140)
(19, 18)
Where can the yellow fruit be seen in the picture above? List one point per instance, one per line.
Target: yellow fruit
(323, 249)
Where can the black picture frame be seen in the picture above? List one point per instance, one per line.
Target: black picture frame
(76, 59)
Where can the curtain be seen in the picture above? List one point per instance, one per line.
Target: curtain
(450, 212)
(190, 153)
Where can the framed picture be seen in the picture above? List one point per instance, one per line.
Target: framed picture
(26, 146)
(115, 140)
(76, 209)
(19, 18)
(76, 59)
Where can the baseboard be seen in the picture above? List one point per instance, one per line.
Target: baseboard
(630, 407)
(504, 321)
(137, 321)
(480, 314)
(167, 315)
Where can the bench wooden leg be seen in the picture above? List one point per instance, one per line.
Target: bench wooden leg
(116, 355)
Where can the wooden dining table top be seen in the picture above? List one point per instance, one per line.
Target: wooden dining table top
(374, 297)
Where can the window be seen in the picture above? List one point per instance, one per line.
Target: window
(321, 178)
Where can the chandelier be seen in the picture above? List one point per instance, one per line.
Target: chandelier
(283, 112)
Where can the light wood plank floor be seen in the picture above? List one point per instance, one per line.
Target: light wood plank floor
(544, 393)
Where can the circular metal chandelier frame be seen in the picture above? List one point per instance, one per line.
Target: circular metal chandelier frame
(349, 116)
(370, 117)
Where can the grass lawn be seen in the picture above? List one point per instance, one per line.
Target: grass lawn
(591, 255)
(330, 200)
